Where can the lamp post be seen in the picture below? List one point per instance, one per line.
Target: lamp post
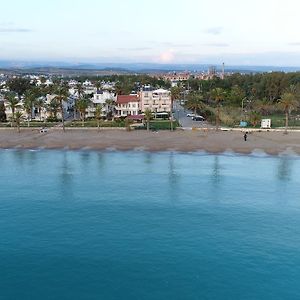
(243, 115)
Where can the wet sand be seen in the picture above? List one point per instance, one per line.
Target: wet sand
(183, 141)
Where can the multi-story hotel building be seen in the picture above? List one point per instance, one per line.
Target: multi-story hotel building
(156, 100)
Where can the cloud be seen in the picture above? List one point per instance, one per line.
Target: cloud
(175, 45)
(10, 27)
(11, 30)
(221, 45)
(168, 44)
(135, 49)
(294, 44)
(214, 30)
(166, 56)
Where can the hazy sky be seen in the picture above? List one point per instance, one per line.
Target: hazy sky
(249, 32)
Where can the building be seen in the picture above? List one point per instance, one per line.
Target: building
(127, 105)
(156, 100)
(100, 97)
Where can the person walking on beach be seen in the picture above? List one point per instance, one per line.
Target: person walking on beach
(245, 137)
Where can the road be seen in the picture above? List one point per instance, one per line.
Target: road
(187, 122)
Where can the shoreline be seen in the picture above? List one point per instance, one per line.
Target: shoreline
(271, 143)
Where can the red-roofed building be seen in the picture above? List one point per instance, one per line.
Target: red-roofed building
(128, 105)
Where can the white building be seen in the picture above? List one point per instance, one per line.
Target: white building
(156, 100)
(127, 105)
(100, 97)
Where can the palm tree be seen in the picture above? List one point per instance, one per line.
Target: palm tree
(18, 117)
(98, 114)
(109, 107)
(98, 85)
(218, 95)
(61, 92)
(53, 108)
(148, 117)
(175, 95)
(39, 104)
(288, 103)
(195, 103)
(13, 103)
(82, 105)
(29, 100)
(80, 91)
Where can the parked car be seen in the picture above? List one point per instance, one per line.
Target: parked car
(198, 118)
(44, 129)
(190, 115)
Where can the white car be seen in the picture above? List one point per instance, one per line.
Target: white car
(190, 115)
(44, 129)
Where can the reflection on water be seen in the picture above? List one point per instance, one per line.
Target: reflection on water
(284, 168)
(174, 179)
(85, 157)
(216, 171)
(66, 177)
(101, 160)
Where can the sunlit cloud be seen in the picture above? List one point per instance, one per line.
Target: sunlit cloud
(167, 56)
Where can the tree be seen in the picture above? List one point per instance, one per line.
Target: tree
(288, 103)
(29, 100)
(218, 95)
(80, 92)
(18, 118)
(53, 108)
(195, 102)
(98, 86)
(110, 103)
(18, 85)
(98, 114)
(39, 104)
(82, 105)
(13, 103)
(62, 93)
(148, 117)
(236, 95)
(254, 118)
(2, 112)
(175, 95)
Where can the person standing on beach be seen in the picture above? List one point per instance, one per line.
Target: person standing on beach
(245, 137)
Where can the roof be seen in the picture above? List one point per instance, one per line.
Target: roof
(161, 91)
(123, 99)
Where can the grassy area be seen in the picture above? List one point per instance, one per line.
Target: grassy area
(279, 121)
(163, 125)
(32, 124)
(93, 123)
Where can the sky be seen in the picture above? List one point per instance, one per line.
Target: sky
(237, 32)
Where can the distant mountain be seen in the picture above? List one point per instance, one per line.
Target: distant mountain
(134, 67)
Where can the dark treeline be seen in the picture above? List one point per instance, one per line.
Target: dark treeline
(260, 86)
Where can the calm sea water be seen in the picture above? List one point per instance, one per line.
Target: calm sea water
(88, 225)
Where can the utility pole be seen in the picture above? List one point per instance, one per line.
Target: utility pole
(223, 70)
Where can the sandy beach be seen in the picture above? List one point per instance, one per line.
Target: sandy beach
(183, 141)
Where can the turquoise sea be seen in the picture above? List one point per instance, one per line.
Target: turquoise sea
(138, 225)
